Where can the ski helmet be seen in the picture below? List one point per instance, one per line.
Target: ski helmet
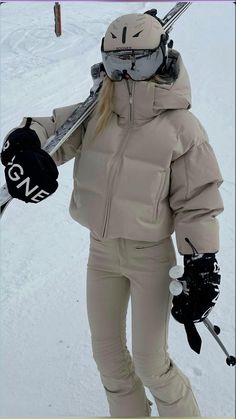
(134, 44)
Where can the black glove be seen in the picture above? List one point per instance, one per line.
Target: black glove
(201, 279)
(200, 293)
(31, 174)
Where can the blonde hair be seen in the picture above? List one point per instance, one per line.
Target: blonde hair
(104, 107)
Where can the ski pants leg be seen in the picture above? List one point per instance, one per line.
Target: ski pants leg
(119, 270)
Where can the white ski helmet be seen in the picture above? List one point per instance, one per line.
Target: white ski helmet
(134, 44)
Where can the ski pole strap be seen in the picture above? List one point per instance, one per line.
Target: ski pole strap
(28, 122)
(193, 337)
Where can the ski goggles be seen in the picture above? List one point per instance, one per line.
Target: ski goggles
(138, 64)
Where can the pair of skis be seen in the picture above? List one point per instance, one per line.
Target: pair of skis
(85, 108)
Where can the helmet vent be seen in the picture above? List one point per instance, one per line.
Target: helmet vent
(137, 34)
(124, 34)
(113, 36)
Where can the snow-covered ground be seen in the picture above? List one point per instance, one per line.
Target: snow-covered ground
(46, 364)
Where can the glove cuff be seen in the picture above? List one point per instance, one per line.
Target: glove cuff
(192, 258)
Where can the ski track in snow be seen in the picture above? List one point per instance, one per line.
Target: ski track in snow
(46, 365)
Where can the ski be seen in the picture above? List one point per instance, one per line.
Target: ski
(170, 18)
(85, 108)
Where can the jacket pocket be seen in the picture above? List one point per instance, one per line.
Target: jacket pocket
(148, 246)
(158, 195)
(160, 250)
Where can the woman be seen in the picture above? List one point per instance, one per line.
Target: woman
(143, 170)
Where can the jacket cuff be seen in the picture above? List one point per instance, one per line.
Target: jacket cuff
(204, 236)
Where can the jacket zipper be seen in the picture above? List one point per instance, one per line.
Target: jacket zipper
(130, 90)
(117, 159)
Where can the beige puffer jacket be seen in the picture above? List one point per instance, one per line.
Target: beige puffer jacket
(152, 170)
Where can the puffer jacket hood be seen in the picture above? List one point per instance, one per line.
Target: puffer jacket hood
(173, 92)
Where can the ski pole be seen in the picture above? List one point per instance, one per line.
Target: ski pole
(215, 330)
(176, 288)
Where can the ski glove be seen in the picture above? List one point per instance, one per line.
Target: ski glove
(201, 281)
(31, 174)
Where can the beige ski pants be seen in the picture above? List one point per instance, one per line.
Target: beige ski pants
(119, 269)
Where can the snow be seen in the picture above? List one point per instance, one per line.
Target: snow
(46, 364)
